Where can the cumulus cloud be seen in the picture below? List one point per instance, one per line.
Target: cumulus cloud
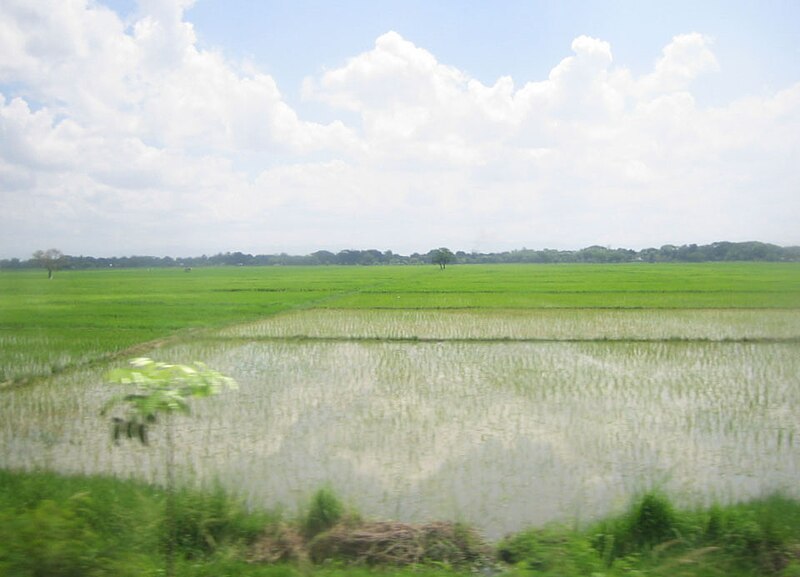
(684, 59)
(111, 128)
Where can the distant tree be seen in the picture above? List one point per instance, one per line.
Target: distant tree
(668, 252)
(442, 256)
(52, 259)
(348, 257)
(12, 263)
(324, 257)
(371, 256)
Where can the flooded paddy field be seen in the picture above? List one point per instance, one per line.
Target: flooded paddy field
(501, 418)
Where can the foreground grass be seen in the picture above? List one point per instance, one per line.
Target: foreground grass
(70, 526)
(81, 317)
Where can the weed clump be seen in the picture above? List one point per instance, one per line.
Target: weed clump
(324, 512)
(650, 522)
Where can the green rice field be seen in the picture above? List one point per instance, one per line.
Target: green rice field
(506, 396)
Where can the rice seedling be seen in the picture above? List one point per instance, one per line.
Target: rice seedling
(533, 325)
(511, 433)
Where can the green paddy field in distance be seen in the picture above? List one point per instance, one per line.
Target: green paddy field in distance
(81, 317)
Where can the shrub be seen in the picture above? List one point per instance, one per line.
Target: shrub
(324, 512)
(652, 521)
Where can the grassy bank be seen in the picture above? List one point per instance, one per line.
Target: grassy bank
(70, 526)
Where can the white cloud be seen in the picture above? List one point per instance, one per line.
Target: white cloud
(579, 84)
(116, 127)
(684, 59)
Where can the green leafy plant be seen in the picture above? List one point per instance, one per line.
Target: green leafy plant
(161, 389)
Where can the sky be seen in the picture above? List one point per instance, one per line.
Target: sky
(181, 128)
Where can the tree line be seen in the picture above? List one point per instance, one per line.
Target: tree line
(53, 259)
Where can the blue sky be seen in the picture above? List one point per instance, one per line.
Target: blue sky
(182, 128)
(756, 43)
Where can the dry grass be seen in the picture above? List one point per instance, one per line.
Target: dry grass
(280, 544)
(376, 543)
(394, 543)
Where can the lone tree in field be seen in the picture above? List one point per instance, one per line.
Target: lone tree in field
(52, 259)
(159, 389)
(442, 257)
